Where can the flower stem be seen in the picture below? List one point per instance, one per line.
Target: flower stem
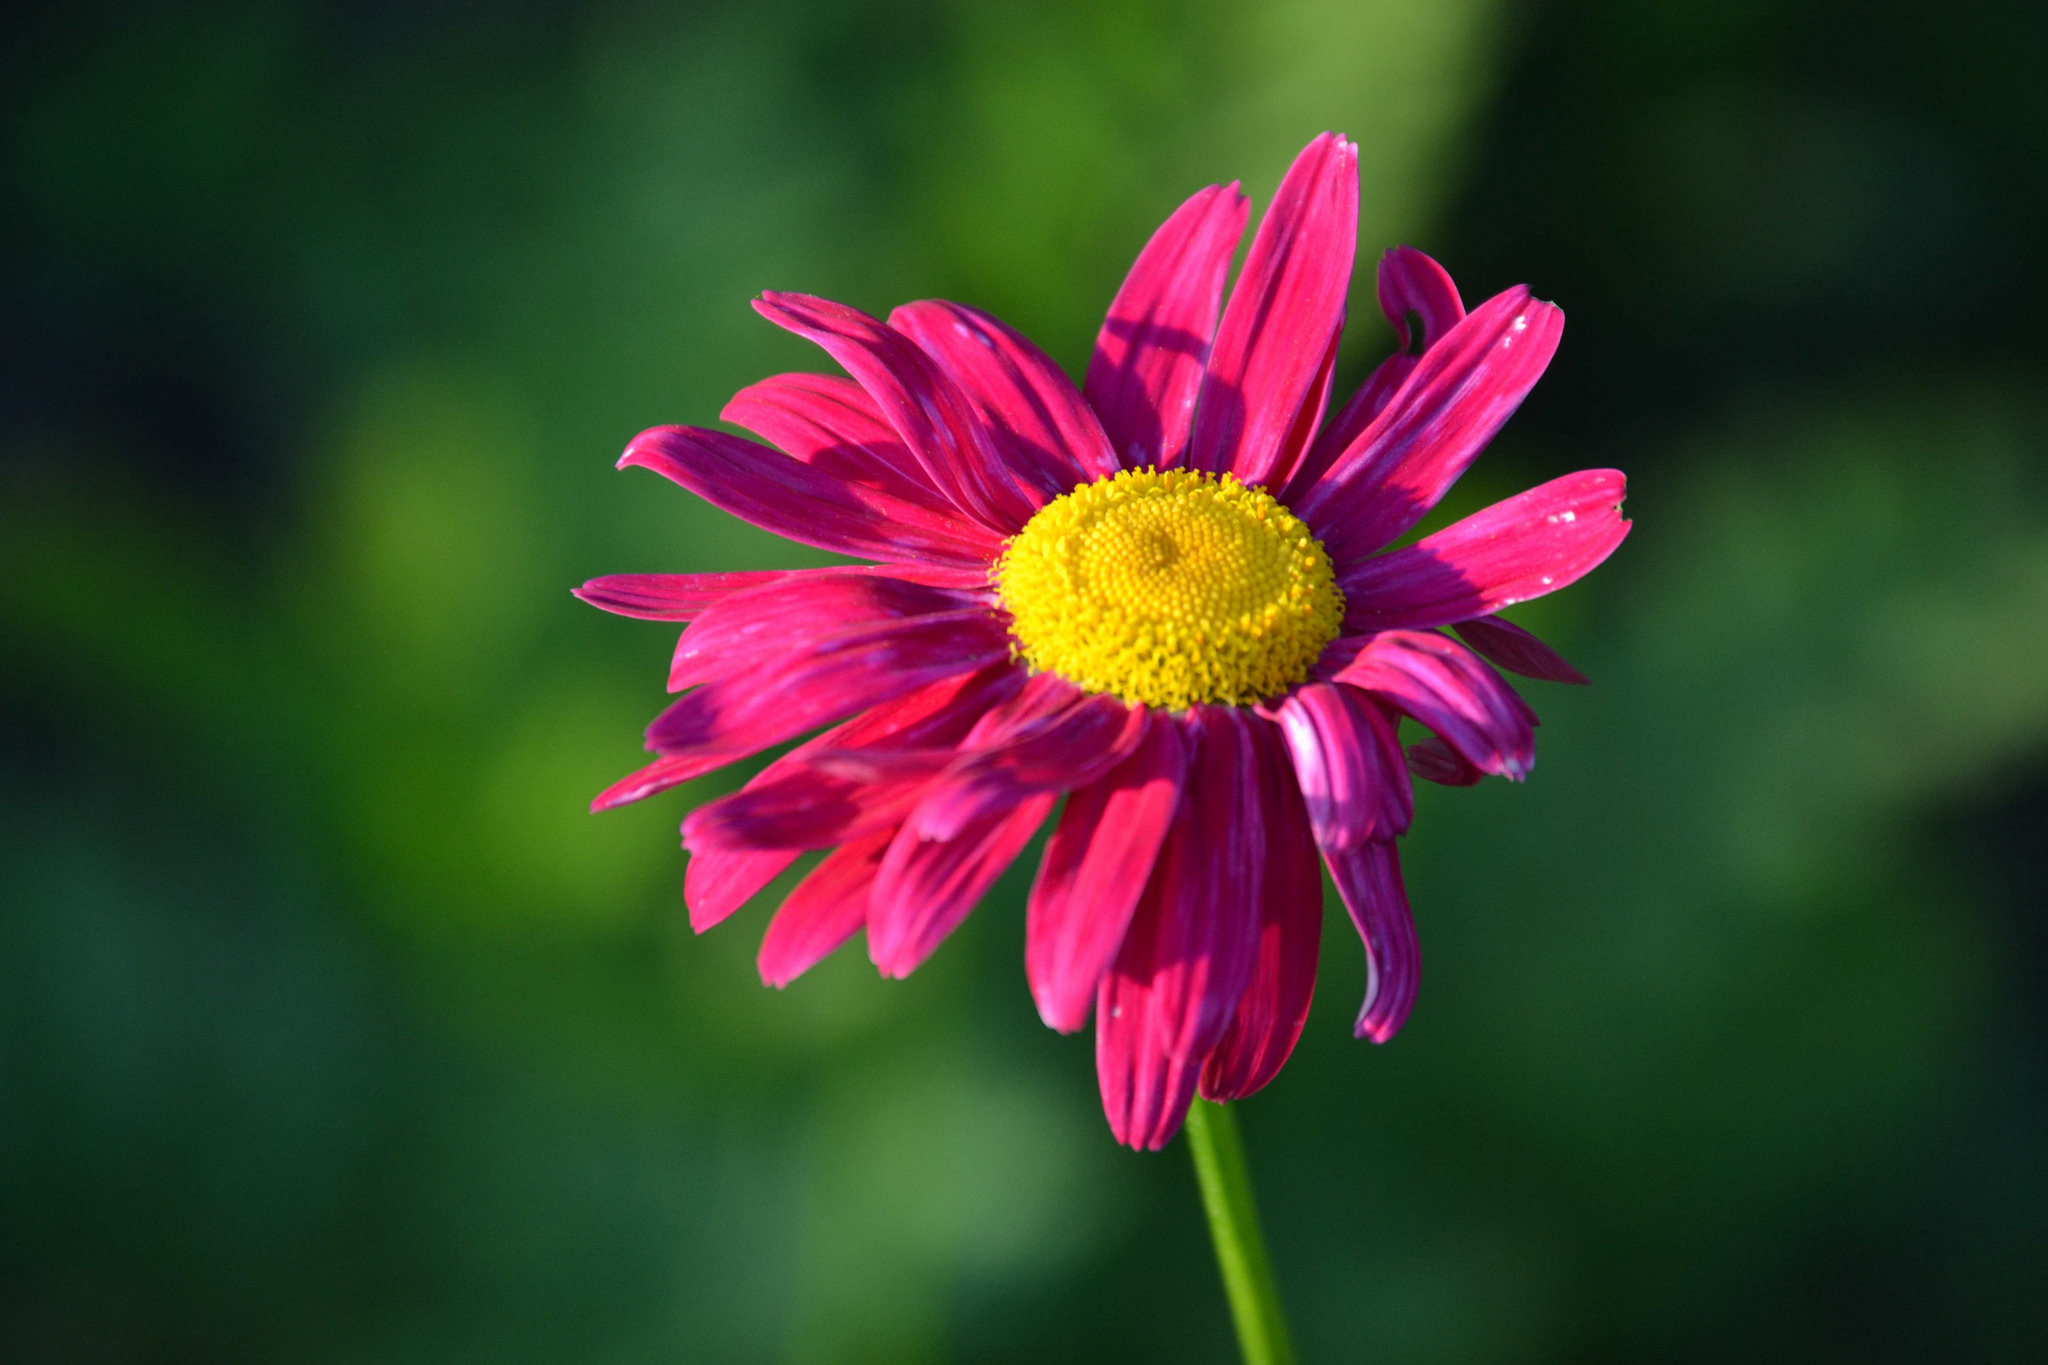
(1234, 1225)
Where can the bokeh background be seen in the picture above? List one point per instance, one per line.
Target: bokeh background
(333, 1029)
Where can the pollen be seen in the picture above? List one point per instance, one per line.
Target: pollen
(1169, 588)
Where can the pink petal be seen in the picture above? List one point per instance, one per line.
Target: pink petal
(829, 422)
(1275, 1003)
(799, 502)
(1054, 754)
(667, 596)
(1301, 437)
(928, 411)
(1400, 466)
(1283, 316)
(734, 717)
(1531, 544)
(1435, 761)
(1516, 650)
(924, 889)
(719, 881)
(1149, 357)
(762, 627)
(827, 908)
(656, 777)
(1096, 863)
(1189, 951)
(1451, 690)
(1042, 427)
(1369, 879)
(1348, 764)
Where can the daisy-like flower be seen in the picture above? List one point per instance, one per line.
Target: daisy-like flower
(1164, 596)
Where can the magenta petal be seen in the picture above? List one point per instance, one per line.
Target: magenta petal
(830, 423)
(1451, 690)
(1274, 1006)
(1401, 465)
(1369, 879)
(928, 411)
(1348, 764)
(799, 502)
(1042, 426)
(1055, 754)
(1435, 761)
(1283, 316)
(656, 777)
(1411, 282)
(827, 908)
(734, 717)
(1516, 650)
(667, 596)
(1148, 360)
(719, 881)
(1531, 544)
(925, 888)
(1096, 864)
(761, 627)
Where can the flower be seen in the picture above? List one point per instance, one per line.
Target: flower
(1165, 596)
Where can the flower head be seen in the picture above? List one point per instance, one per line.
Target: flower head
(1165, 596)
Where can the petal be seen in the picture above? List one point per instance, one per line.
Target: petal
(667, 596)
(656, 777)
(1042, 426)
(1096, 864)
(1435, 761)
(1348, 764)
(1055, 754)
(734, 717)
(1451, 690)
(1531, 544)
(717, 882)
(1275, 1004)
(1283, 315)
(1516, 650)
(762, 627)
(1369, 879)
(1399, 467)
(827, 908)
(829, 422)
(1189, 951)
(1148, 360)
(929, 413)
(924, 889)
(808, 505)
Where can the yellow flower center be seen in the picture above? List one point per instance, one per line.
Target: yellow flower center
(1170, 587)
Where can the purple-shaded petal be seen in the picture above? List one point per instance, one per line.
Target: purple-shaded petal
(1531, 544)
(1096, 864)
(1450, 689)
(1275, 1003)
(928, 411)
(1369, 879)
(1188, 953)
(1400, 466)
(802, 503)
(1435, 761)
(1042, 426)
(1411, 282)
(1516, 650)
(719, 881)
(827, 908)
(1284, 311)
(1347, 761)
(1148, 360)
(925, 888)
(829, 422)
(734, 717)
(1055, 754)
(762, 627)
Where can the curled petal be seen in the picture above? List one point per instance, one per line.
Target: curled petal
(1041, 424)
(1283, 317)
(1096, 863)
(934, 419)
(806, 504)
(1401, 465)
(1529, 545)
(1411, 283)
(1516, 650)
(1451, 690)
(1347, 763)
(1435, 761)
(1368, 878)
(1149, 357)
(827, 908)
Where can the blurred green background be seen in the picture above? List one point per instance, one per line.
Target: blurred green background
(333, 1029)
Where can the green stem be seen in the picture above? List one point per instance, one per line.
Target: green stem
(1234, 1224)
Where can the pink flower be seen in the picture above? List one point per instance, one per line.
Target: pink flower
(1165, 595)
